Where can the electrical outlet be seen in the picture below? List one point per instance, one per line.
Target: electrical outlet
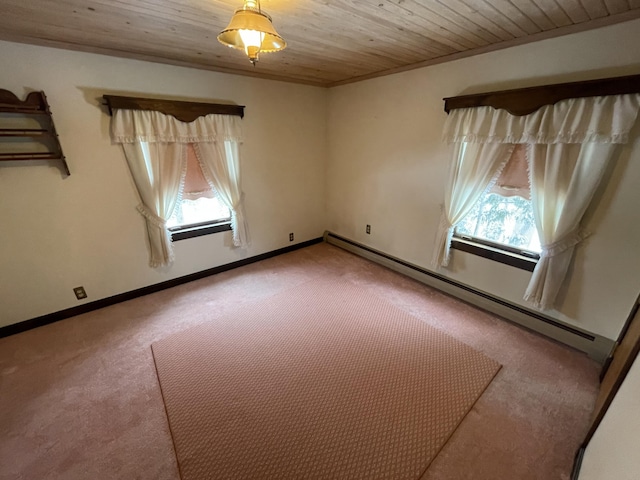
(80, 293)
(291, 237)
(368, 229)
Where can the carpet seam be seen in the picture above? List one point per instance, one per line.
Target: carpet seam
(166, 413)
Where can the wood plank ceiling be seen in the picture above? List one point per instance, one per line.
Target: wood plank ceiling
(330, 42)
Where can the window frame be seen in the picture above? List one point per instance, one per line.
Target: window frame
(183, 232)
(512, 256)
(491, 249)
(207, 226)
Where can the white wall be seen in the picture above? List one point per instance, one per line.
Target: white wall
(612, 453)
(58, 233)
(387, 168)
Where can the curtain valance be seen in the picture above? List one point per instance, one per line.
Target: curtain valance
(606, 119)
(130, 126)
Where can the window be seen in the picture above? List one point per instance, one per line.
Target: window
(200, 212)
(571, 142)
(501, 225)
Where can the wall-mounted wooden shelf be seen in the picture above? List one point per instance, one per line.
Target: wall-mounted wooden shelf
(27, 132)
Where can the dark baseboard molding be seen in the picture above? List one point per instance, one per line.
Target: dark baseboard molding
(595, 346)
(577, 464)
(123, 297)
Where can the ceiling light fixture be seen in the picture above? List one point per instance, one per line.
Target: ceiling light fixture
(250, 29)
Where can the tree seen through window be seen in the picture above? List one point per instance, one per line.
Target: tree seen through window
(504, 220)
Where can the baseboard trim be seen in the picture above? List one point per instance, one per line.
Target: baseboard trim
(577, 464)
(595, 346)
(123, 297)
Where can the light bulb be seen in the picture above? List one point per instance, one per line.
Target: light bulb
(252, 40)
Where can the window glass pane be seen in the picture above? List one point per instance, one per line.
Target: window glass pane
(201, 210)
(505, 220)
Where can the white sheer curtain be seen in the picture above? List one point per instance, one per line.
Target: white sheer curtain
(470, 175)
(571, 144)
(564, 178)
(158, 171)
(220, 165)
(155, 148)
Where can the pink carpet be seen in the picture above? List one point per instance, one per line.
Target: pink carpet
(324, 380)
(79, 398)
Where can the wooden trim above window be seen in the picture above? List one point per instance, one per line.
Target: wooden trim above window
(183, 111)
(523, 101)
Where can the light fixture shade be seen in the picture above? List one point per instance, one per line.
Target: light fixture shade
(247, 18)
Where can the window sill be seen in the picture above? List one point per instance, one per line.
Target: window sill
(199, 231)
(496, 254)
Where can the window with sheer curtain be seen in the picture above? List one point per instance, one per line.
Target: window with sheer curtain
(569, 146)
(157, 149)
(502, 218)
(199, 209)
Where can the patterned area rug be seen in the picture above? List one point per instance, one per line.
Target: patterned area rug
(322, 381)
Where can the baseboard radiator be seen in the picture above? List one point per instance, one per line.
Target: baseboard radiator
(597, 347)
